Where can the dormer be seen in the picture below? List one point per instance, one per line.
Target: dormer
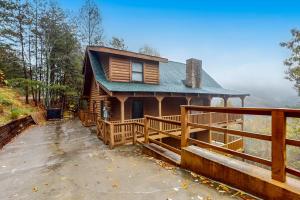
(126, 66)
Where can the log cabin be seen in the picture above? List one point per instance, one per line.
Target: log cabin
(122, 86)
(165, 106)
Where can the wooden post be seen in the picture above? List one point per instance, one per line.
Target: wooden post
(242, 104)
(225, 101)
(209, 98)
(104, 131)
(111, 136)
(225, 134)
(146, 133)
(159, 100)
(188, 101)
(184, 127)
(209, 131)
(134, 133)
(278, 146)
(243, 101)
(210, 119)
(122, 100)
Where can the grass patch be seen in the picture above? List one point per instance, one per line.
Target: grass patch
(12, 105)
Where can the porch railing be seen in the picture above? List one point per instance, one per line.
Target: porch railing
(277, 138)
(88, 118)
(116, 133)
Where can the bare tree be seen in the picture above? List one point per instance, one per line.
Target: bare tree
(90, 24)
(146, 49)
(117, 43)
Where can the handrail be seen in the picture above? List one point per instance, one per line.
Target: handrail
(163, 120)
(277, 138)
(245, 110)
(229, 151)
(232, 131)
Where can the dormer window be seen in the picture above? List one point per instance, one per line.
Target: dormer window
(137, 72)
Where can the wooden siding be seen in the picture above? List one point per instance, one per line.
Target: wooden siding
(104, 60)
(151, 73)
(95, 97)
(120, 70)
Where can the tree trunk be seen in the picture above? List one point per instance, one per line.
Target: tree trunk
(30, 69)
(23, 57)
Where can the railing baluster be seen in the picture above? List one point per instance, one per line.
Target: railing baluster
(146, 127)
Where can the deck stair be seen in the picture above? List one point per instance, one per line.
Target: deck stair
(161, 153)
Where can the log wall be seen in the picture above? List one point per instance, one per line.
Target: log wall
(95, 97)
(151, 73)
(120, 69)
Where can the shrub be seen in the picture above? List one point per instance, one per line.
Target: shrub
(15, 113)
(5, 102)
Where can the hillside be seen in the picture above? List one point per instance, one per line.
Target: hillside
(12, 106)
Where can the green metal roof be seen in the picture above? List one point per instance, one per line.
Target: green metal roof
(172, 75)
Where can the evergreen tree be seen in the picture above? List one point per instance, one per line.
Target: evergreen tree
(293, 62)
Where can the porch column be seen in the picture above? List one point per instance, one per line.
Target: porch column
(242, 104)
(243, 101)
(188, 100)
(225, 98)
(225, 101)
(159, 100)
(122, 100)
(209, 98)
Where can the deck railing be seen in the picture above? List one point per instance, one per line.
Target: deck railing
(116, 133)
(88, 118)
(277, 138)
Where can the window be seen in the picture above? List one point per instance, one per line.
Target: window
(137, 72)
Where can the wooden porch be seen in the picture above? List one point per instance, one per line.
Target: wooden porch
(219, 154)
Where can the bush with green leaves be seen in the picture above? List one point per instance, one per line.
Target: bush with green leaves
(5, 102)
(15, 113)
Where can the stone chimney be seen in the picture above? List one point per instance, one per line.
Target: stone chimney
(193, 73)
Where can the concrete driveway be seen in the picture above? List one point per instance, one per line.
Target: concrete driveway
(64, 160)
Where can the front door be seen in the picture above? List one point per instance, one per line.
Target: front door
(137, 109)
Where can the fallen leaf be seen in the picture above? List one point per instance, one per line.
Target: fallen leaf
(184, 185)
(35, 189)
(194, 174)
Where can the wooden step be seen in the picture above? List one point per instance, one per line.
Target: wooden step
(161, 153)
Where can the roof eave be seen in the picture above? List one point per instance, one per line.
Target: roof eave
(126, 53)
